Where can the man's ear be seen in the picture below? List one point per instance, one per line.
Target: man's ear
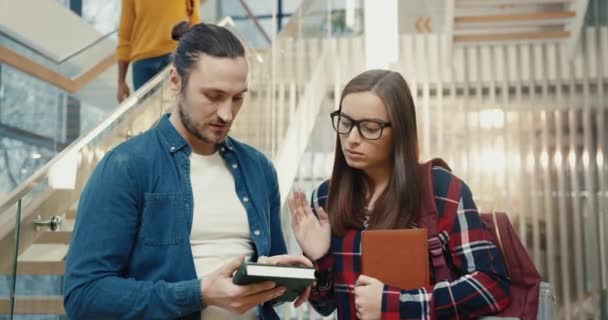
(175, 81)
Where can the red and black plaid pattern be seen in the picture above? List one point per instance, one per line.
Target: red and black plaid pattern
(481, 284)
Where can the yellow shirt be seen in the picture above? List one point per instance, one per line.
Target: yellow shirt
(145, 27)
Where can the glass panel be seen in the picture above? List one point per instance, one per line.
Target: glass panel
(37, 120)
(42, 251)
(8, 261)
(73, 65)
(253, 34)
(98, 53)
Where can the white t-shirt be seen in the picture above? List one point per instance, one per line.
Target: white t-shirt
(220, 227)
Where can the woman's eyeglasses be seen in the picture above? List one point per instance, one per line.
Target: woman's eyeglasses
(368, 129)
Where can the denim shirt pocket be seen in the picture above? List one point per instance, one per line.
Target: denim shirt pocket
(164, 219)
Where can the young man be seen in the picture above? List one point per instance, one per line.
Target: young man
(168, 216)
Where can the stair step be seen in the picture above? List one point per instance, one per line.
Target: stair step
(43, 259)
(34, 305)
(42, 252)
(513, 36)
(55, 237)
(531, 16)
(41, 268)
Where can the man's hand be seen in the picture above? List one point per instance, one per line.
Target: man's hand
(218, 290)
(290, 260)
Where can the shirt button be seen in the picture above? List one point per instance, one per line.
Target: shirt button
(172, 149)
(223, 149)
(256, 232)
(234, 166)
(245, 199)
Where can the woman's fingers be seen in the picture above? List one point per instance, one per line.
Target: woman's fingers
(295, 217)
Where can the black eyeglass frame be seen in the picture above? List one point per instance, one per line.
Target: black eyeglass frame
(357, 123)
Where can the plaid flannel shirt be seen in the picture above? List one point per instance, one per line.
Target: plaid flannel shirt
(481, 284)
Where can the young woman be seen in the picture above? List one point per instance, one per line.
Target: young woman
(376, 184)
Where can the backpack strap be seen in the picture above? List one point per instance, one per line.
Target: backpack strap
(429, 217)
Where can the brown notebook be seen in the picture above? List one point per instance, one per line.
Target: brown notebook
(398, 258)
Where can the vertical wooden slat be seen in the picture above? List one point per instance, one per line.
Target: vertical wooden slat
(603, 47)
(477, 135)
(299, 55)
(494, 143)
(472, 67)
(409, 63)
(546, 164)
(578, 66)
(601, 156)
(590, 222)
(524, 65)
(521, 126)
(422, 68)
(459, 65)
(551, 61)
(439, 119)
(564, 243)
(426, 146)
(509, 153)
(279, 116)
(360, 48)
(265, 138)
(470, 134)
(432, 58)
(565, 65)
(446, 56)
(590, 49)
(534, 170)
(539, 67)
(498, 52)
(486, 65)
(603, 131)
(573, 162)
(512, 65)
(546, 157)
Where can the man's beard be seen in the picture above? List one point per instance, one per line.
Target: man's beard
(191, 127)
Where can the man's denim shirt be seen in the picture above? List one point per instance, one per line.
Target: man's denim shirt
(130, 255)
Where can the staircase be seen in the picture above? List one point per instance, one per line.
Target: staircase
(517, 21)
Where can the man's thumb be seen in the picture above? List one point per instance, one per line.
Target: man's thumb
(231, 266)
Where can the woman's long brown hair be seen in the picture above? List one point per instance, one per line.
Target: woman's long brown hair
(350, 188)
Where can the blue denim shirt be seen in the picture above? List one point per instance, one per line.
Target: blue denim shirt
(130, 254)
